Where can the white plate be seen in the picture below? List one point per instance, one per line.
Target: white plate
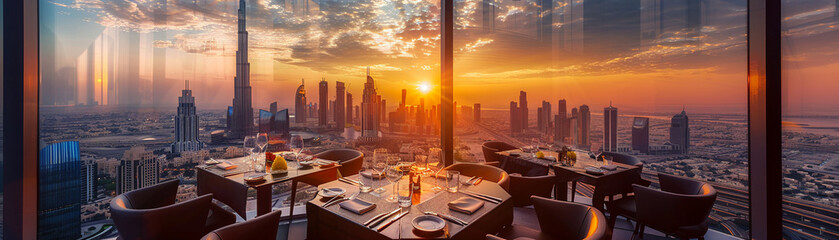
(428, 223)
(332, 192)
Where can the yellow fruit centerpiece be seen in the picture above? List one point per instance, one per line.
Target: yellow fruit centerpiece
(540, 154)
(279, 164)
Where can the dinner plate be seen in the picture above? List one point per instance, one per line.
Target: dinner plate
(594, 170)
(428, 223)
(331, 192)
(254, 177)
(306, 163)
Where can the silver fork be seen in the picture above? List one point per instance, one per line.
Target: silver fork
(341, 200)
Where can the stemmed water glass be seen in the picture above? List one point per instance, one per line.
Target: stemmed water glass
(250, 145)
(261, 142)
(296, 145)
(379, 164)
(393, 173)
(435, 165)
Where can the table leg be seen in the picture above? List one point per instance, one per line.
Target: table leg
(263, 200)
(597, 199)
(561, 190)
(293, 195)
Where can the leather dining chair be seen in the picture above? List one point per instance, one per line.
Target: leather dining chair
(559, 220)
(624, 189)
(522, 187)
(490, 148)
(679, 209)
(151, 213)
(349, 159)
(487, 172)
(260, 228)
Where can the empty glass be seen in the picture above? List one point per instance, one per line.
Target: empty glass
(367, 182)
(296, 145)
(249, 146)
(393, 173)
(452, 180)
(379, 164)
(404, 192)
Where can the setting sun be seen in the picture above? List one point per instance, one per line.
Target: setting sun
(424, 87)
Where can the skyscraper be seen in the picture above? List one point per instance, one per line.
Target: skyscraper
(300, 108)
(610, 129)
(680, 131)
(574, 127)
(137, 169)
(545, 117)
(370, 110)
(186, 123)
(561, 122)
(539, 123)
(515, 118)
(477, 109)
(348, 110)
(584, 122)
(641, 134)
(59, 191)
(88, 180)
(523, 109)
(323, 96)
(242, 121)
(340, 121)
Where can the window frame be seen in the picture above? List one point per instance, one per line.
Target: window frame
(21, 89)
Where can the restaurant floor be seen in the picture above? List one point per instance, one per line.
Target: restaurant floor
(623, 228)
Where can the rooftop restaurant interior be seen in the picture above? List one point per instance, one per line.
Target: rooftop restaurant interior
(419, 119)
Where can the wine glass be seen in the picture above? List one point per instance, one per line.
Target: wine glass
(262, 141)
(436, 165)
(379, 164)
(296, 145)
(249, 146)
(393, 173)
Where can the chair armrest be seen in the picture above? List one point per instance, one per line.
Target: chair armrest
(494, 164)
(493, 237)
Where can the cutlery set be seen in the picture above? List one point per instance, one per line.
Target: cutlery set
(339, 198)
(376, 220)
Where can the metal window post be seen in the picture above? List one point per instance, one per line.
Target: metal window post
(447, 81)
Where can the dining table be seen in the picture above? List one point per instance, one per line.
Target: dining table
(608, 182)
(230, 187)
(334, 222)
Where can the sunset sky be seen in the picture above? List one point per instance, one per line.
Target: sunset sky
(338, 39)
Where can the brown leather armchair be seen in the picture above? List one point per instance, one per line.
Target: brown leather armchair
(679, 209)
(260, 228)
(490, 149)
(350, 160)
(151, 213)
(560, 220)
(522, 187)
(624, 189)
(487, 172)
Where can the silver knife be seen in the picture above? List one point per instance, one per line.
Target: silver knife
(484, 195)
(348, 182)
(384, 225)
(449, 217)
(481, 197)
(380, 217)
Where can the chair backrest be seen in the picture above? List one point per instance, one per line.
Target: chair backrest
(490, 148)
(145, 214)
(569, 220)
(521, 188)
(624, 159)
(689, 203)
(488, 172)
(350, 160)
(260, 228)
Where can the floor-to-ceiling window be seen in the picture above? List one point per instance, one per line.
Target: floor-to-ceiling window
(113, 75)
(810, 119)
(1, 123)
(670, 74)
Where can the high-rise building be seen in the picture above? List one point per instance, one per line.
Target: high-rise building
(88, 180)
(186, 123)
(523, 109)
(137, 169)
(382, 109)
(584, 123)
(680, 131)
(574, 128)
(282, 123)
(477, 109)
(610, 129)
(641, 134)
(545, 118)
(59, 191)
(370, 110)
(242, 121)
(515, 118)
(273, 108)
(300, 108)
(561, 123)
(323, 96)
(539, 123)
(340, 116)
(266, 121)
(348, 109)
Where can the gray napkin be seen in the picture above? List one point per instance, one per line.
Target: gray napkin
(466, 205)
(357, 206)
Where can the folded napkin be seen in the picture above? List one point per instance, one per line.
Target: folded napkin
(609, 167)
(466, 205)
(226, 165)
(357, 206)
(372, 174)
